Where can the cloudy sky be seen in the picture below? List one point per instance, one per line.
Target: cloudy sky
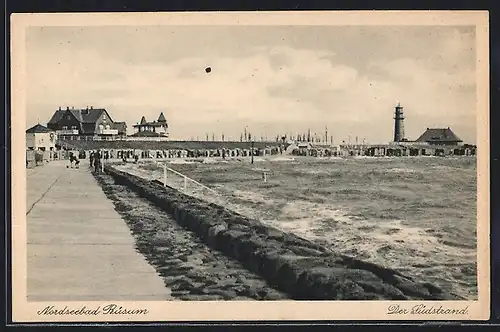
(273, 79)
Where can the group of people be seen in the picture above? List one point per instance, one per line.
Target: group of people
(95, 160)
(74, 161)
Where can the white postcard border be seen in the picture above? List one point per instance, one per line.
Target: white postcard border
(24, 311)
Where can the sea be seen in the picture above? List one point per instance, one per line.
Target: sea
(413, 214)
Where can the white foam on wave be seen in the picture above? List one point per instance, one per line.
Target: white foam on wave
(210, 161)
(400, 170)
(180, 161)
(277, 159)
(259, 169)
(445, 168)
(313, 171)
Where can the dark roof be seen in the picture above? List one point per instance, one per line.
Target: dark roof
(38, 129)
(57, 116)
(146, 134)
(438, 135)
(82, 115)
(161, 118)
(92, 114)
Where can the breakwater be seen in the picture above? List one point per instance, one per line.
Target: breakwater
(294, 265)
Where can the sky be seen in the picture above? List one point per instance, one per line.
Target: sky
(272, 79)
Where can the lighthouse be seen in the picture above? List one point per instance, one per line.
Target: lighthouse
(399, 129)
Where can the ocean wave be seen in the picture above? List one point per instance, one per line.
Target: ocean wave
(386, 210)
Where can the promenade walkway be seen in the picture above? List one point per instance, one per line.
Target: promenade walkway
(79, 248)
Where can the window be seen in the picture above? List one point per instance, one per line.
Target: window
(64, 127)
(104, 117)
(68, 117)
(73, 127)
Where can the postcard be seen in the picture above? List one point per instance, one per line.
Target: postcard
(250, 166)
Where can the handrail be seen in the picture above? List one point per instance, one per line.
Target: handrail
(166, 168)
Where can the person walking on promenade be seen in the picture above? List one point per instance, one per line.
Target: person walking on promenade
(91, 158)
(71, 159)
(97, 161)
(77, 161)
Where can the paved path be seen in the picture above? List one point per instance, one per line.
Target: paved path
(79, 248)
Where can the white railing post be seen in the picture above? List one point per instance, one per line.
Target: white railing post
(164, 175)
(185, 183)
(102, 161)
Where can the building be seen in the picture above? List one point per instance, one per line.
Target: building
(40, 138)
(89, 123)
(156, 130)
(399, 129)
(439, 136)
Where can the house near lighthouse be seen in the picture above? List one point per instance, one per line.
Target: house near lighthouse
(151, 130)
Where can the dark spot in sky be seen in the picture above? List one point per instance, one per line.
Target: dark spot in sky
(208, 70)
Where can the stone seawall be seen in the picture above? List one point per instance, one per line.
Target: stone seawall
(301, 268)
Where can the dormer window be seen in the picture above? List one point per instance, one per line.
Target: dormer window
(68, 117)
(64, 127)
(104, 117)
(73, 127)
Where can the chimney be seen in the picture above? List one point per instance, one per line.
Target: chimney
(72, 107)
(67, 108)
(87, 108)
(91, 107)
(59, 107)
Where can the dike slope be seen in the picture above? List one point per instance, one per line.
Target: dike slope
(301, 268)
